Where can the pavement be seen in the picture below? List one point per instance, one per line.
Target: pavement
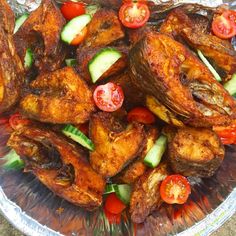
(228, 229)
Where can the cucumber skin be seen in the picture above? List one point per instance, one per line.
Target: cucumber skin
(96, 57)
(71, 62)
(13, 161)
(20, 21)
(29, 58)
(126, 190)
(110, 188)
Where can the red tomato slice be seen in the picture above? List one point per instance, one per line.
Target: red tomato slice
(175, 189)
(230, 16)
(108, 97)
(223, 28)
(71, 9)
(113, 204)
(79, 37)
(17, 121)
(134, 15)
(112, 218)
(142, 115)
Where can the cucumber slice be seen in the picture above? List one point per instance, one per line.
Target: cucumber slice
(110, 188)
(74, 27)
(230, 86)
(102, 61)
(71, 62)
(20, 21)
(153, 157)
(76, 135)
(123, 192)
(92, 9)
(12, 161)
(209, 66)
(29, 58)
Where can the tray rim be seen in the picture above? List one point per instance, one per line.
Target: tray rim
(29, 226)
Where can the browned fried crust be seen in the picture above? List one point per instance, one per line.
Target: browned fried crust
(164, 68)
(137, 168)
(11, 68)
(87, 188)
(195, 152)
(114, 145)
(220, 51)
(61, 97)
(41, 32)
(145, 197)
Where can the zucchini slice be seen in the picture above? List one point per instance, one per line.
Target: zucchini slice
(20, 21)
(29, 58)
(71, 62)
(102, 61)
(230, 86)
(76, 135)
(74, 27)
(123, 192)
(209, 66)
(153, 157)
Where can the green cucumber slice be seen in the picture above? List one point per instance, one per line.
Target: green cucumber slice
(71, 62)
(102, 61)
(76, 135)
(74, 27)
(110, 188)
(123, 192)
(209, 66)
(29, 58)
(20, 21)
(230, 86)
(153, 157)
(12, 161)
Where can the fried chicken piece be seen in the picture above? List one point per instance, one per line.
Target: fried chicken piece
(195, 152)
(115, 146)
(165, 69)
(11, 68)
(137, 168)
(145, 197)
(59, 97)
(71, 177)
(104, 29)
(221, 52)
(41, 32)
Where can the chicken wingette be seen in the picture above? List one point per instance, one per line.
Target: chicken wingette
(59, 97)
(11, 68)
(59, 165)
(167, 70)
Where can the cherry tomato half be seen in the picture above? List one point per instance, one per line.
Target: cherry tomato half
(108, 97)
(223, 28)
(230, 16)
(71, 9)
(17, 121)
(113, 204)
(112, 218)
(142, 115)
(175, 189)
(134, 15)
(79, 37)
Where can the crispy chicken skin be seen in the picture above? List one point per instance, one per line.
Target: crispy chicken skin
(59, 97)
(104, 29)
(181, 26)
(137, 168)
(165, 69)
(194, 152)
(74, 180)
(114, 145)
(11, 68)
(145, 197)
(41, 32)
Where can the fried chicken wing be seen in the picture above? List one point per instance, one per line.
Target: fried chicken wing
(114, 145)
(137, 168)
(221, 52)
(145, 197)
(59, 97)
(71, 177)
(11, 68)
(195, 152)
(165, 69)
(41, 32)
